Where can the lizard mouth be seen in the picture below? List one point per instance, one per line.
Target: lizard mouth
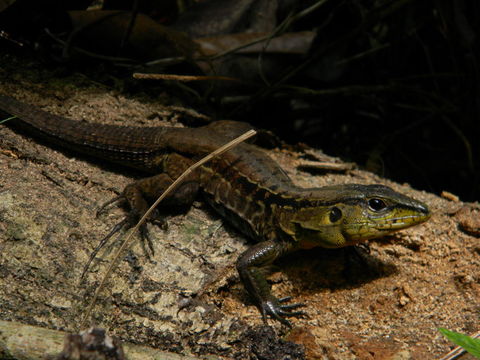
(375, 228)
(400, 222)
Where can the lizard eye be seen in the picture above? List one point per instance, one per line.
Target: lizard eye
(335, 214)
(376, 204)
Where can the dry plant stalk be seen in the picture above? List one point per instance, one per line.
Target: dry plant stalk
(183, 78)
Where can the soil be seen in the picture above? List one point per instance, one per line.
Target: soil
(187, 297)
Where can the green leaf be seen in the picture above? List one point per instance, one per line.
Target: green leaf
(470, 344)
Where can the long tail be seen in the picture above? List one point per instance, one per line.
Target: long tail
(126, 145)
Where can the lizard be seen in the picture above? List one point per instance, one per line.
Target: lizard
(244, 185)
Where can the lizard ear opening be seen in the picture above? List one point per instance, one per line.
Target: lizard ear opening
(335, 214)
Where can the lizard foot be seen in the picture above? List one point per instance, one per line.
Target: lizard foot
(128, 222)
(278, 310)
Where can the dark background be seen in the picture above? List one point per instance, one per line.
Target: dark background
(391, 85)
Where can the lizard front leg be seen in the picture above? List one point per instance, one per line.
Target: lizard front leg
(141, 193)
(252, 266)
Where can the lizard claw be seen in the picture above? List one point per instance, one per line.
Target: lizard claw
(109, 202)
(146, 239)
(101, 244)
(279, 311)
(128, 222)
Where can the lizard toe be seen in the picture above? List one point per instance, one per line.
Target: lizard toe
(278, 311)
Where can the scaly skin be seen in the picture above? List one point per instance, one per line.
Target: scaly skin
(244, 185)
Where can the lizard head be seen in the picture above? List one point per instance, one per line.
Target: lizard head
(349, 214)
